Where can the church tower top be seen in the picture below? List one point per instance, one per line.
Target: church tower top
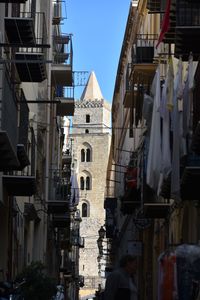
(92, 90)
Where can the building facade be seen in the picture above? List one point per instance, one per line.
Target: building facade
(155, 117)
(36, 92)
(90, 143)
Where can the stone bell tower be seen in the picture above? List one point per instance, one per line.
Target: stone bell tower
(91, 138)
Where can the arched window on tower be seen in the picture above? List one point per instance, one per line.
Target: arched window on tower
(86, 152)
(82, 183)
(88, 155)
(82, 155)
(88, 183)
(84, 210)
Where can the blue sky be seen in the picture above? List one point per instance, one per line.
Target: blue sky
(98, 29)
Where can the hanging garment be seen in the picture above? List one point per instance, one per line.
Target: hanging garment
(187, 97)
(167, 282)
(175, 177)
(154, 153)
(164, 112)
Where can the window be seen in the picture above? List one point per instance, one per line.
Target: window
(86, 130)
(86, 153)
(82, 183)
(87, 183)
(82, 155)
(87, 118)
(88, 156)
(84, 210)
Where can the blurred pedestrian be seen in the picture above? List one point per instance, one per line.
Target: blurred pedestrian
(120, 283)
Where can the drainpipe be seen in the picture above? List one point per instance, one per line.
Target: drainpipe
(48, 120)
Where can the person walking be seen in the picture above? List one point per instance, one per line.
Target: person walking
(120, 283)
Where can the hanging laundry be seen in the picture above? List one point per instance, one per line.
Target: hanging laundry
(154, 153)
(177, 139)
(164, 112)
(167, 279)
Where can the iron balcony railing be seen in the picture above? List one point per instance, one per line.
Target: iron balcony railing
(62, 49)
(59, 185)
(28, 30)
(65, 92)
(144, 47)
(156, 6)
(9, 111)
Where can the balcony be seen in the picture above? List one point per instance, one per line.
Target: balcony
(61, 71)
(28, 35)
(59, 192)
(31, 67)
(187, 29)
(156, 6)
(57, 16)
(144, 49)
(65, 98)
(8, 156)
(67, 158)
(59, 186)
(17, 185)
(13, 139)
(8, 126)
(143, 66)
